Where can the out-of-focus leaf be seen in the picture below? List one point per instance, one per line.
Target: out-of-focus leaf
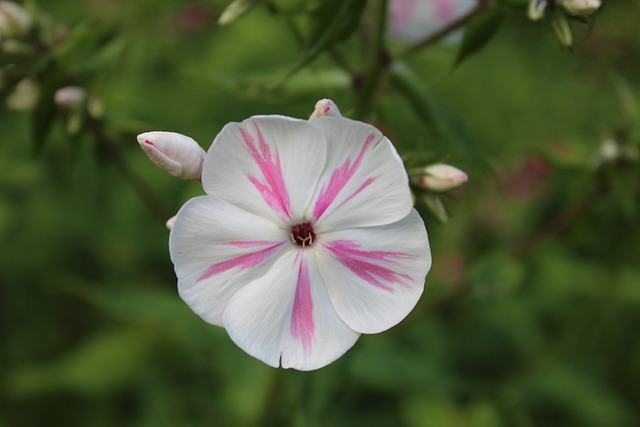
(105, 362)
(479, 31)
(445, 122)
(51, 80)
(306, 82)
(331, 22)
(623, 184)
(433, 202)
(235, 10)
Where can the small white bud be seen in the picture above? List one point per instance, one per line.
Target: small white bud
(580, 7)
(325, 108)
(14, 19)
(442, 178)
(70, 97)
(536, 9)
(170, 222)
(179, 155)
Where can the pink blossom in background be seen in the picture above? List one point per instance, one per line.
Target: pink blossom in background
(413, 20)
(305, 239)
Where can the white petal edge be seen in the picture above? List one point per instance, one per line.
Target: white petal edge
(259, 317)
(211, 245)
(229, 167)
(364, 182)
(374, 291)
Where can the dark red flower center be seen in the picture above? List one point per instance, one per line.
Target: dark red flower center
(302, 235)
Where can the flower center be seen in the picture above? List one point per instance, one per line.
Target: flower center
(302, 235)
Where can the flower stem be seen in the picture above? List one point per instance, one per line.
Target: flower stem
(375, 62)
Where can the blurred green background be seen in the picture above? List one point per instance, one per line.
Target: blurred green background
(531, 313)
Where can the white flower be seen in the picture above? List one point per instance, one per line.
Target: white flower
(305, 239)
(442, 178)
(179, 155)
(414, 20)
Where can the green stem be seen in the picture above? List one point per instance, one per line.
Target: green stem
(375, 62)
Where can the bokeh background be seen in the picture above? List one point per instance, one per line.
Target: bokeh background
(531, 313)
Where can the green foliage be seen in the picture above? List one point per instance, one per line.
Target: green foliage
(530, 313)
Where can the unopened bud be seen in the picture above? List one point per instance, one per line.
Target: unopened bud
(70, 97)
(325, 108)
(14, 20)
(561, 27)
(536, 9)
(170, 222)
(179, 155)
(441, 178)
(580, 7)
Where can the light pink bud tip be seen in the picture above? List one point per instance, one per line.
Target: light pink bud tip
(170, 222)
(442, 178)
(179, 155)
(325, 108)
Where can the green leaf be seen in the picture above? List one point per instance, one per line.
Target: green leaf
(623, 184)
(433, 202)
(479, 31)
(104, 362)
(444, 121)
(330, 22)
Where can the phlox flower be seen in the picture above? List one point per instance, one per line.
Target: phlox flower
(305, 239)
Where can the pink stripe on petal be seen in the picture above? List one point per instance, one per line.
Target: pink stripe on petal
(243, 262)
(302, 325)
(368, 265)
(339, 179)
(272, 187)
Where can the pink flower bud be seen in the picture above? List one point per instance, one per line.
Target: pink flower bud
(580, 7)
(179, 155)
(442, 178)
(325, 108)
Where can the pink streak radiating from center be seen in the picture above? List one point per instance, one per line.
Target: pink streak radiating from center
(243, 262)
(302, 325)
(272, 187)
(339, 179)
(369, 265)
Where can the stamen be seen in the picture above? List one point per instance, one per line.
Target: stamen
(302, 235)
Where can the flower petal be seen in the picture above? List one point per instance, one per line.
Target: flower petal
(364, 182)
(375, 275)
(267, 165)
(217, 248)
(287, 315)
